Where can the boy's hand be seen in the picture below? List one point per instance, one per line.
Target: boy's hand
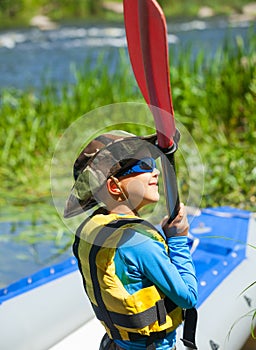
(179, 226)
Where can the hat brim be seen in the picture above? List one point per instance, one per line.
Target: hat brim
(75, 206)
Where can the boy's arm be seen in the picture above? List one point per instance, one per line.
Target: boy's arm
(173, 273)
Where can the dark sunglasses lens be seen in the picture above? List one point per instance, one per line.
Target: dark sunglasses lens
(147, 164)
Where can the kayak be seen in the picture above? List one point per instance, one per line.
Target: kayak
(49, 310)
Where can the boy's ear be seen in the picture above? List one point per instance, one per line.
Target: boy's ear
(113, 186)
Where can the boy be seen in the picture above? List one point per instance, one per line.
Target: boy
(138, 279)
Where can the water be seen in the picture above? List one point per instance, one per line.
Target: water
(20, 257)
(29, 58)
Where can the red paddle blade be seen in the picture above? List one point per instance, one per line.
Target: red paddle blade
(146, 33)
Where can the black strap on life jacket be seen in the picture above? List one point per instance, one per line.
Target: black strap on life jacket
(75, 249)
(189, 329)
(157, 312)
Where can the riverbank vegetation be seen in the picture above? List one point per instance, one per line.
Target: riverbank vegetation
(19, 13)
(213, 97)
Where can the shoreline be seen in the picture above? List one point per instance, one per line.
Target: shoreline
(45, 22)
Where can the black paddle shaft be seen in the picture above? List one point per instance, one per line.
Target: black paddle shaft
(170, 184)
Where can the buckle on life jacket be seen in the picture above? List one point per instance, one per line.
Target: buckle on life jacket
(150, 345)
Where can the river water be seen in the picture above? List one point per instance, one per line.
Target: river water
(31, 57)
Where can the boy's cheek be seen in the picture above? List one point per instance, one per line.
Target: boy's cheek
(136, 191)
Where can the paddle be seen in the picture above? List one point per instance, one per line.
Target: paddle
(146, 33)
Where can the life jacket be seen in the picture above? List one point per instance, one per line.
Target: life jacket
(125, 316)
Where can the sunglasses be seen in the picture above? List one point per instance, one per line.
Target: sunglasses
(144, 165)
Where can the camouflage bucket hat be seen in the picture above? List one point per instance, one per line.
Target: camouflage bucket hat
(104, 156)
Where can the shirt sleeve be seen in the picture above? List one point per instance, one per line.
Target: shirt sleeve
(172, 272)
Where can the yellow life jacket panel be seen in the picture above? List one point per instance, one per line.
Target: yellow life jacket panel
(145, 312)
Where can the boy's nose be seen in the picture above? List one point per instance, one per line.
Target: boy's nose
(156, 171)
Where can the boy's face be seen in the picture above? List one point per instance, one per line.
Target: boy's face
(141, 188)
